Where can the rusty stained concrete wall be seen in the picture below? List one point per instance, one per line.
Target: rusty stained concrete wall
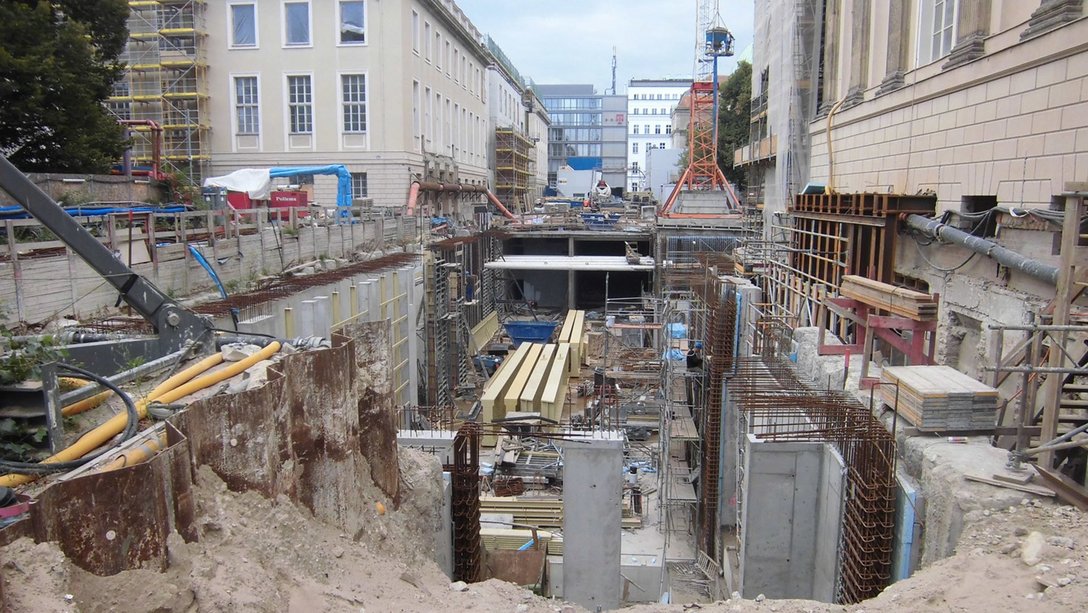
(320, 432)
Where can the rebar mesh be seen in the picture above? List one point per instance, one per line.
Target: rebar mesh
(778, 407)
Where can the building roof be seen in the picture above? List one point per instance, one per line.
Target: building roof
(659, 83)
(547, 90)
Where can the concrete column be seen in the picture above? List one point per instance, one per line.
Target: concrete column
(972, 28)
(859, 51)
(592, 494)
(831, 58)
(572, 285)
(307, 318)
(322, 316)
(899, 20)
(1051, 14)
(261, 324)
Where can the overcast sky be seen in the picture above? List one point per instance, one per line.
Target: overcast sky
(570, 41)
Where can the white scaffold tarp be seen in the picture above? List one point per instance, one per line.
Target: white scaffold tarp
(255, 182)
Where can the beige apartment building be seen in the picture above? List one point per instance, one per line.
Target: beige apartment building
(970, 99)
(393, 90)
(980, 103)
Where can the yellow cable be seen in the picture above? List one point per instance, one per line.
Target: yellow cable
(165, 392)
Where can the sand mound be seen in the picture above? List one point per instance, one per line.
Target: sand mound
(256, 554)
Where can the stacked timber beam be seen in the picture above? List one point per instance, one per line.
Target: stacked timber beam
(538, 512)
(939, 398)
(574, 334)
(534, 379)
(898, 300)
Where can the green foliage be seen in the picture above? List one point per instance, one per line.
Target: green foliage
(734, 121)
(181, 188)
(59, 60)
(20, 438)
(75, 197)
(24, 358)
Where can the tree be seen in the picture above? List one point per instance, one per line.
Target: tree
(734, 120)
(58, 61)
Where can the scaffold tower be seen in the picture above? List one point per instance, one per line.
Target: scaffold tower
(164, 92)
(513, 168)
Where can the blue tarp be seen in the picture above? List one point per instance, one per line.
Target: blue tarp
(343, 181)
(18, 212)
(677, 330)
(584, 163)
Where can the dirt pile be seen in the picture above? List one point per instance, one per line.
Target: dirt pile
(1031, 556)
(256, 554)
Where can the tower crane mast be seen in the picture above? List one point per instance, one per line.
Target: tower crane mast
(713, 41)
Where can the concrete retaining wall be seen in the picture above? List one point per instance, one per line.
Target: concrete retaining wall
(792, 520)
(41, 288)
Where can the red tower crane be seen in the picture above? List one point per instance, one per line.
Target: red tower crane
(702, 172)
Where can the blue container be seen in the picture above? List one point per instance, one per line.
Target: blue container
(530, 331)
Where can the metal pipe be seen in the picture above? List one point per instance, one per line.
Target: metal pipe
(990, 249)
(433, 186)
(124, 377)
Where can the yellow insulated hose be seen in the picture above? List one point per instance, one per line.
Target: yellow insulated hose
(177, 386)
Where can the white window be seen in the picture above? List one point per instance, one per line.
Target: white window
(300, 104)
(657, 129)
(296, 24)
(427, 38)
(415, 32)
(247, 105)
(449, 58)
(661, 145)
(416, 110)
(937, 29)
(243, 25)
(358, 185)
(634, 147)
(646, 127)
(352, 22)
(634, 128)
(428, 116)
(456, 59)
(353, 97)
(438, 50)
(668, 129)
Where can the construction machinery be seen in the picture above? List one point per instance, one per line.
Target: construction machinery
(703, 191)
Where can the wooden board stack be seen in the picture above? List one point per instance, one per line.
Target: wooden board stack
(898, 300)
(538, 512)
(939, 398)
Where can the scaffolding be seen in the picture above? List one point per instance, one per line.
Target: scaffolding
(513, 168)
(165, 82)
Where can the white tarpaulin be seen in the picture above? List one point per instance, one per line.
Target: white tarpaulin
(255, 182)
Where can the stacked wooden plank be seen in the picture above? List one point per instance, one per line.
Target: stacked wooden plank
(494, 392)
(939, 398)
(512, 539)
(898, 300)
(574, 333)
(529, 401)
(538, 512)
(527, 511)
(553, 397)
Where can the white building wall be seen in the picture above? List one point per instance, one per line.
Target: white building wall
(650, 106)
(425, 91)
